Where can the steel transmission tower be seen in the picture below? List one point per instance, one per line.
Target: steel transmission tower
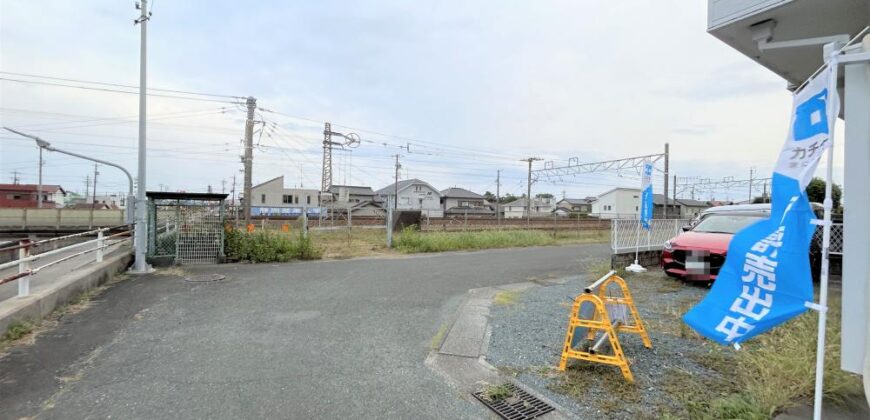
(350, 140)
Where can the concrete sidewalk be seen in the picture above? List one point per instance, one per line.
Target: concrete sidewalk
(331, 339)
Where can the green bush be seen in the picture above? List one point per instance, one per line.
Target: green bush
(265, 246)
(411, 240)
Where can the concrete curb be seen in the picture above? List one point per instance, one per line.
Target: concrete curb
(461, 355)
(43, 301)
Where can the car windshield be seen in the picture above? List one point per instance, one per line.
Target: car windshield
(726, 223)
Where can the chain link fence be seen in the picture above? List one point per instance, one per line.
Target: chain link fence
(186, 230)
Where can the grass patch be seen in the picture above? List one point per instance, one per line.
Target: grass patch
(412, 240)
(438, 337)
(506, 298)
(340, 244)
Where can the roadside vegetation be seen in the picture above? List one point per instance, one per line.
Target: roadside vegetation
(771, 373)
(412, 240)
(264, 246)
(277, 246)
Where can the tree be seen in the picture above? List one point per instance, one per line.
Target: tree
(544, 195)
(489, 196)
(816, 192)
(507, 198)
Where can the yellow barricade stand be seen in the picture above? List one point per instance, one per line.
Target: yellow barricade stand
(598, 321)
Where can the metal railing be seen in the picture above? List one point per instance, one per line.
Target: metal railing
(836, 246)
(626, 235)
(26, 259)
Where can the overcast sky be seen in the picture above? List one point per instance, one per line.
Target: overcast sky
(472, 86)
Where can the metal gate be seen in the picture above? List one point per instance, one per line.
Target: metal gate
(186, 228)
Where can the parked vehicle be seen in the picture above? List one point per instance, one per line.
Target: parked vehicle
(698, 253)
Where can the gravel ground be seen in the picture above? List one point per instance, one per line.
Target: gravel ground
(527, 337)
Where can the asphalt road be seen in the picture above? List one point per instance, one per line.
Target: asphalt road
(330, 339)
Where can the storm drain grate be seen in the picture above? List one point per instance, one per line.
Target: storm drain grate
(520, 405)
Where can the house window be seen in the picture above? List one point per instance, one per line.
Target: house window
(308, 199)
(418, 188)
(635, 208)
(262, 198)
(297, 199)
(287, 199)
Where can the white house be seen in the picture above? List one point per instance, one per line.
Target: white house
(414, 194)
(362, 201)
(541, 207)
(568, 206)
(624, 203)
(459, 201)
(272, 198)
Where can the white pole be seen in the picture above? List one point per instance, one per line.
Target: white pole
(39, 188)
(139, 238)
(831, 58)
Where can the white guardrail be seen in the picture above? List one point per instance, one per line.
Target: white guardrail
(26, 261)
(627, 234)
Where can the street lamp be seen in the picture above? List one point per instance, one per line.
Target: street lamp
(131, 200)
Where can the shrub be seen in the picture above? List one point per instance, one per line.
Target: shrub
(264, 246)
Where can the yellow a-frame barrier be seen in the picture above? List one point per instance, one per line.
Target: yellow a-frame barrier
(601, 321)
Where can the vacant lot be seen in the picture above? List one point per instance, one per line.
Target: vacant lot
(683, 375)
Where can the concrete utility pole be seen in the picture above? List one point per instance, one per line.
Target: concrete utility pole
(94, 195)
(390, 207)
(39, 187)
(233, 202)
(140, 234)
(87, 187)
(751, 170)
(529, 190)
(667, 157)
(15, 178)
(498, 198)
(675, 194)
(251, 103)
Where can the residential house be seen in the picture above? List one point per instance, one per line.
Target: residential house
(117, 201)
(459, 201)
(624, 203)
(362, 201)
(569, 206)
(27, 196)
(517, 209)
(414, 194)
(271, 198)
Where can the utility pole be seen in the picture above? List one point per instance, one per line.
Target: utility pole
(94, 195)
(498, 198)
(209, 188)
(15, 178)
(223, 186)
(529, 190)
(751, 170)
(675, 194)
(87, 187)
(249, 157)
(667, 158)
(39, 187)
(140, 233)
(235, 207)
(391, 208)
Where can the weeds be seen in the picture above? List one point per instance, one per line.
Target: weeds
(506, 298)
(265, 246)
(493, 393)
(412, 240)
(17, 330)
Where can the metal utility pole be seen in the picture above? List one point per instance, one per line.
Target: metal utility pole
(667, 158)
(140, 234)
(529, 190)
(498, 198)
(675, 194)
(87, 186)
(223, 186)
(94, 195)
(39, 187)
(15, 178)
(251, 103)
(233, 202)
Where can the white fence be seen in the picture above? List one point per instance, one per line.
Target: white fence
(626, 234)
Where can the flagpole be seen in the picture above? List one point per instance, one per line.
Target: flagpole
(831, 58)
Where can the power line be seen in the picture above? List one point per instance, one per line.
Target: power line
(186, 92)
(38, 82)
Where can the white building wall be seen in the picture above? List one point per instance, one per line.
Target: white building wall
(271, 194)
(617, 204)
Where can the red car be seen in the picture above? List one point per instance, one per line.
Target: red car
(698, 253)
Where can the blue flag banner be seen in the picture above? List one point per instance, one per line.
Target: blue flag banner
(766, 277)
(646, 196)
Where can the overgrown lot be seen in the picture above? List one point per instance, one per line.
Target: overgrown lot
(411, 240)
(684, 375)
